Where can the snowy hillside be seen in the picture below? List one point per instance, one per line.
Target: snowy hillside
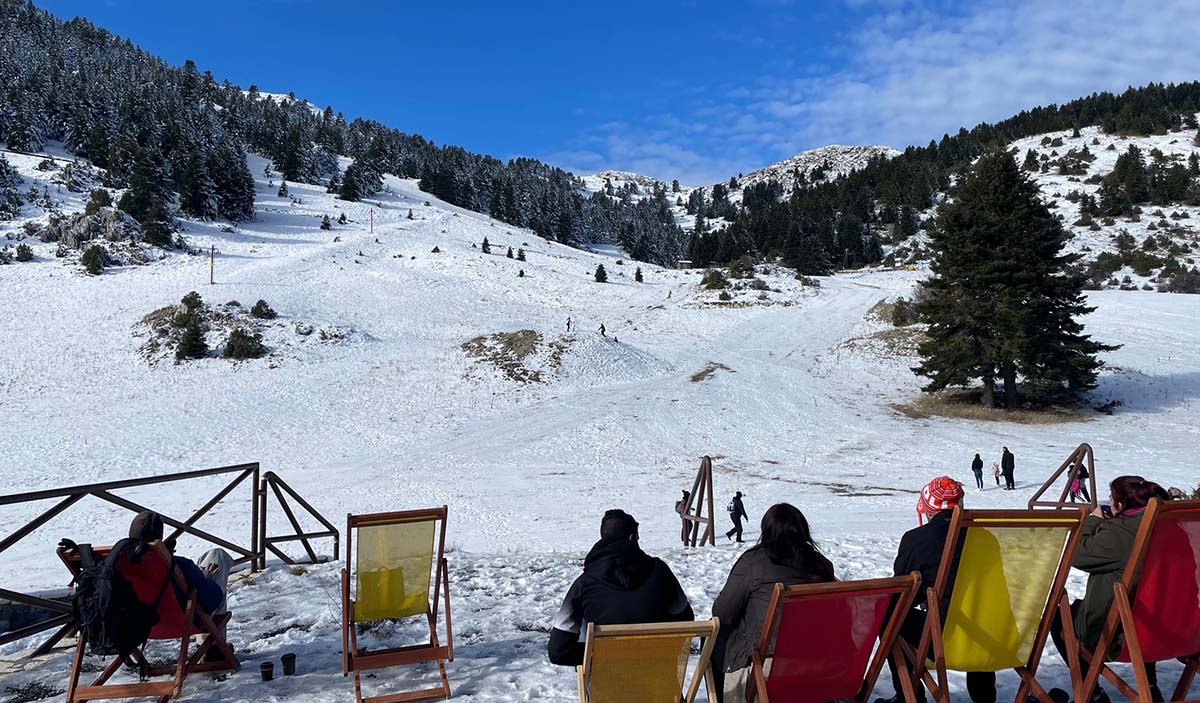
(829, 162)
(1174, 229)
(397, 377)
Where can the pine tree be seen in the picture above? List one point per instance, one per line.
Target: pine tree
(342, 219)
(94, 259)
(510, 253)
(410, 214)
(326, 223)
(10, 195)
(147, 194)
(283, 189)
(486, 248)
(192, 344)
(1004, 297)
(197, 190)
(352, 189)
(520, 254)
(521, 273)
(637, 275)
(601, 274)
(1032, 163)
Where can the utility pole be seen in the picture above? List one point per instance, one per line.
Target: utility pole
(372, 220)
(212, 264)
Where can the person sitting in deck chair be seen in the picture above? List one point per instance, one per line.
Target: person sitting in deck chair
(1103, 551)
(785, 554)
(620, 585)
(209, 576)
(921, 550)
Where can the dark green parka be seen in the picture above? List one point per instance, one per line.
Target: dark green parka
(1103, 551)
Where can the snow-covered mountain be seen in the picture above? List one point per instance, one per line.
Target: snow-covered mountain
(827, 162)
(831, 161)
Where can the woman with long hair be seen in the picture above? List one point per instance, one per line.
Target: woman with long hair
(785, 553)
(1104, 549)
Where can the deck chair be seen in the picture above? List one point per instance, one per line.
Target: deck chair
(838, 663)
(1156, 605)
(180, 617)
(993, 612)
(645, 663)
(398, 555)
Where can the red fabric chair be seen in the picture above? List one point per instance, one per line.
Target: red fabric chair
(819, 640)
(1161, 621)
(180, 616)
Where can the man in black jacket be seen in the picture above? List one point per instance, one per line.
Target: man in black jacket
(921, 551)
(620, 585)
(1008, 464)
(737, 514)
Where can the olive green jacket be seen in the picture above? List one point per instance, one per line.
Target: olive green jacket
(1103, 551)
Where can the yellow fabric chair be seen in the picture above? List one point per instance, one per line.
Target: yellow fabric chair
(399, 564)
(645, 663)
(994, 611)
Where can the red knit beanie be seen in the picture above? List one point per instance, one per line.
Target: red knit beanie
(939, 494)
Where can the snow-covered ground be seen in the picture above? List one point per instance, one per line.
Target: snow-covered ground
(397, 415)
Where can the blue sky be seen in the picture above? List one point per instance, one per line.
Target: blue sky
(687, 89)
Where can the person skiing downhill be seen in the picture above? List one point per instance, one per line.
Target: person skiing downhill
(977, 469)
(737, 512)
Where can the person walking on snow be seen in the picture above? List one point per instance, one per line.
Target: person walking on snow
(568, 324)
(996, 471)
(737, 512)
(602, 329)
(977, 469)
(1007, 466)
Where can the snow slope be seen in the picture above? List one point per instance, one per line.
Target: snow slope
(398, 416)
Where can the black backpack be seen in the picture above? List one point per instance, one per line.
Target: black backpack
(105, 606)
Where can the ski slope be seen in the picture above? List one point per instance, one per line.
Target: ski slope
(395, 415)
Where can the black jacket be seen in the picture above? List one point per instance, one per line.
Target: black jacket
(1007, 462)
(921, 550)
(742, 605)
(977, 465)
(739, 510)
(620, 585)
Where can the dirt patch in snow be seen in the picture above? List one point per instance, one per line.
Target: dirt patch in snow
(521, 356)
(965, 405)
(709, 369)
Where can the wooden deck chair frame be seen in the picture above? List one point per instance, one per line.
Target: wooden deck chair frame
(210, 626)
(931, 645)
(903, 587)
(704, 629)
(356, 660)
(1120, 619)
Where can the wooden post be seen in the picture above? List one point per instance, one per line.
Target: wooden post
(1083, 453)
(372, 220)
(702, 493)
(212, 264)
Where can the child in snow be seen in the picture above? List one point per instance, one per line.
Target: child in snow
(996, 471)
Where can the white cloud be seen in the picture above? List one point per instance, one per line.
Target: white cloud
(909, 72)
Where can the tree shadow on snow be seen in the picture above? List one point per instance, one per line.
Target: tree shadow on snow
(1141, 392)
